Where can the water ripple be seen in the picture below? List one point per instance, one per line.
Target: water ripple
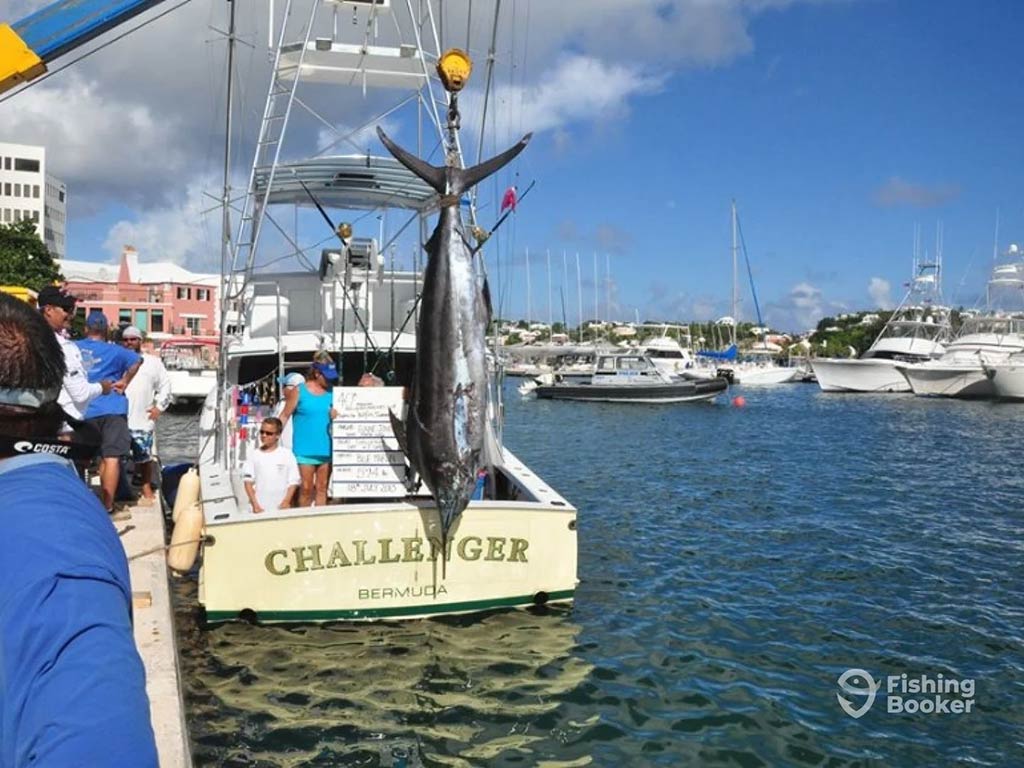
(733, 563)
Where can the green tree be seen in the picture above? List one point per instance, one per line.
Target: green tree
(24, 259)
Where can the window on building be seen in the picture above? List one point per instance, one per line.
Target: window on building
(24, 164)
(157, 321)
(141, 319)
(35, 216)
(17, 215)
(7, 188)
(35, 191)
(17, 190)
(192, 324)
(203, 294)
(80, 313)
(60, 195)
(7, 163)
(7, 215)
(124, 317)
(181, 292)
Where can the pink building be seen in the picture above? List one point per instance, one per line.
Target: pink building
(161, 298)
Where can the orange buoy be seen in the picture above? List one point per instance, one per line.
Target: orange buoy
(184, 548)
(739, 401)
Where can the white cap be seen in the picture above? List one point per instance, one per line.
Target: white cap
(131, 332)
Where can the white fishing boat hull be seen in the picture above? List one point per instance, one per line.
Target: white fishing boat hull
(935, 379)
(1007, 380)
(192, 385)
(376, 561)
(765, 375)
(864, 375)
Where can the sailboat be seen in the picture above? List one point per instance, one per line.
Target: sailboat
(373, 551)
(757, 365)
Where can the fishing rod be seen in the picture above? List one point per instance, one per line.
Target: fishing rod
(483, 235)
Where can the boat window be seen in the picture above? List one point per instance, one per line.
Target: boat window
(606, 364)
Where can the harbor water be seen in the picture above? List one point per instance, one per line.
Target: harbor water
(733, 563)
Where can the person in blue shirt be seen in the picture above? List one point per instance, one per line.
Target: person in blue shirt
(72, 685)
(108, 413)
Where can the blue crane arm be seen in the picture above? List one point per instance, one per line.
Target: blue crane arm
(27, 45)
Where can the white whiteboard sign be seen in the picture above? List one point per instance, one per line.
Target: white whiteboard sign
(366, 460)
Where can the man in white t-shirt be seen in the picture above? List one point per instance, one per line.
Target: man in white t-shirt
(271, 474)
(149, 395)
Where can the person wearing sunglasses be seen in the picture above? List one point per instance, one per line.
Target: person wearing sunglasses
(271, 474)
(309, 405)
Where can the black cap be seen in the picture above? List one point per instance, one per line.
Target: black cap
(51, 295)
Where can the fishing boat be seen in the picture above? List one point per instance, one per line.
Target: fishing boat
(1007, 377)
(915, 333)
(984, 339)
(631, 378)
(377, 549)
(191, 365)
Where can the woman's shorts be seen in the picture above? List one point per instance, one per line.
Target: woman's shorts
(314, 461)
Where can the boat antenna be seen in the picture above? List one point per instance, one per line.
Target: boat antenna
(225, 235)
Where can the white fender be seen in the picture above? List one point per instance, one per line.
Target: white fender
(188, 493)
(181, 555)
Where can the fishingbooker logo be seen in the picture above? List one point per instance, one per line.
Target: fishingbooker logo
(857, 682)
(906, 694)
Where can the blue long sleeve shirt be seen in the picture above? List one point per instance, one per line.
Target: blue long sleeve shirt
(72, 685)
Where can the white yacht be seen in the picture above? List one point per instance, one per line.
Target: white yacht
(191, 367)
(374, 550)
(1007, 377)
(960, 371)
(915, 332)
(984, 339)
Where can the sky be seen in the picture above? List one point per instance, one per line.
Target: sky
(839, 127)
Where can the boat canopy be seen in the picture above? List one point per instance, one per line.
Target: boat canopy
(362, 182)
(725, 354)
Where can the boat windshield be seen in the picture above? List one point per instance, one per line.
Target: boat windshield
(999, 326)
(914, 329)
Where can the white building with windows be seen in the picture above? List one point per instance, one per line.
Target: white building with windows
(27, 191)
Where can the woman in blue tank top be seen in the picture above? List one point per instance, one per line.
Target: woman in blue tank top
(309, 405)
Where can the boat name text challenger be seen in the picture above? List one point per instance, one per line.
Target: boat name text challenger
(317, 557)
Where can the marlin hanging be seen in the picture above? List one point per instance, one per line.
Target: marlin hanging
(443, 434)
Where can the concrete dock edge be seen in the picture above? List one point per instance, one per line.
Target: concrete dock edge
(154, 630)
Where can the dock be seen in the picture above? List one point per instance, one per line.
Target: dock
(142, 531)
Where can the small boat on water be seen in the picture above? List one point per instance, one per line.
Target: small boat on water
(192, 368)
(631, 378)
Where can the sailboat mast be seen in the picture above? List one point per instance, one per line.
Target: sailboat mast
(529, 293)
(551, 316)
(735, 284)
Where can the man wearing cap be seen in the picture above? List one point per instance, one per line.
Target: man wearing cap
(108, 413)
(76, 392)
(149, 394)
(72, 685)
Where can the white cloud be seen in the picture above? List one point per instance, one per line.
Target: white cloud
(186, 231)
(880, 291)
(801, 308)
